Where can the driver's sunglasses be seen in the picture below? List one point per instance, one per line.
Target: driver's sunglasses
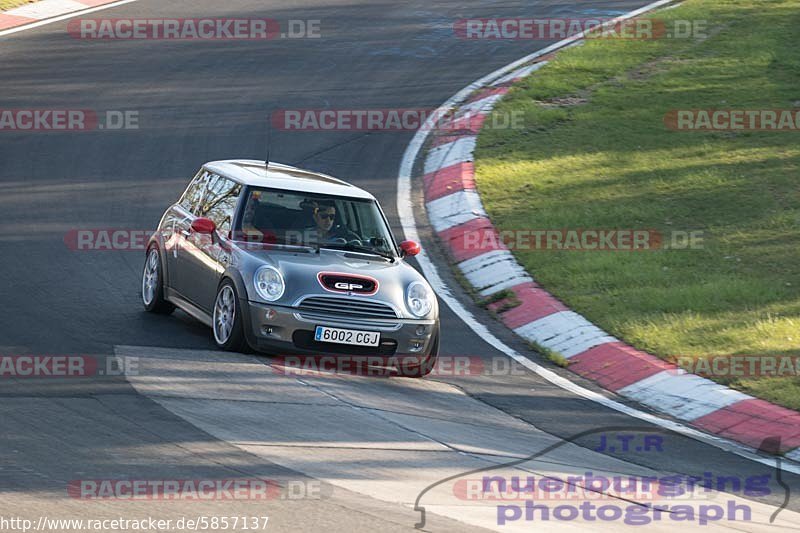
(330, 216)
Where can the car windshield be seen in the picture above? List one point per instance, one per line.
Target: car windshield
(293, 218)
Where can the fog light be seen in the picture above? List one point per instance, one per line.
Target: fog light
(415, 345)
(265, 330)
(421, 330)
(269, 314)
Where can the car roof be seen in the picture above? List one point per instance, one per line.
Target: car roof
(285, 177)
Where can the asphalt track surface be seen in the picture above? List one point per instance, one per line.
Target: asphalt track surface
(191, 413)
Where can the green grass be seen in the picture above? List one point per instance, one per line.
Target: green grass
(608, 161)
(552, 355)
(10, 4)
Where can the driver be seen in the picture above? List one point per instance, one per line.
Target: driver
(324, 219)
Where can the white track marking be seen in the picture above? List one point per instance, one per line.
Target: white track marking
(485, 260)
(451, 153)
(493, 273)
(490, 280)
(669, 390)
(454, 209)
(565, 332)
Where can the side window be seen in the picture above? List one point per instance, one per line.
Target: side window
(194, 192)
(220, 201)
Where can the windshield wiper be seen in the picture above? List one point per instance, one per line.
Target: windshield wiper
(361, 249)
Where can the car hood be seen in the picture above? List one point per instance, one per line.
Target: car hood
(300, 271)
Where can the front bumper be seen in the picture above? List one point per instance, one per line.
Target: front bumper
(278, 330)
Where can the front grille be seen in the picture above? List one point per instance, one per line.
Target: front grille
(346, 307)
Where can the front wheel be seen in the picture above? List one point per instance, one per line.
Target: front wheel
(427, 364)
(153, 285)
(227, 319)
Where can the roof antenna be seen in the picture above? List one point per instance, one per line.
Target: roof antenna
(269, 138)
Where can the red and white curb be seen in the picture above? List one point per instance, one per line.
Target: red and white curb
(454, 210)
(38, 13)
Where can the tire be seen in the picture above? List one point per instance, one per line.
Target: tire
(428, 363)
(153, 284)
(227, 320)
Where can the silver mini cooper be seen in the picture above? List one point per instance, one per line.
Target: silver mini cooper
(289, 261)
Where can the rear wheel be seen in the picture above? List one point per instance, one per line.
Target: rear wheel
(227, 319)
(427, 364)
(153, 284)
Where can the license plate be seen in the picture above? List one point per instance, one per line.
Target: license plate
(347, 336)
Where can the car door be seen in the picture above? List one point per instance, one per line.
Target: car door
(177, 228)
(203, 258)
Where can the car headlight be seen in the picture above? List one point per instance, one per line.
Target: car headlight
(269, 283)
(419, 299)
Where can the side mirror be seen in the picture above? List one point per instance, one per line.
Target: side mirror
(409, 248)
(204, 226)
